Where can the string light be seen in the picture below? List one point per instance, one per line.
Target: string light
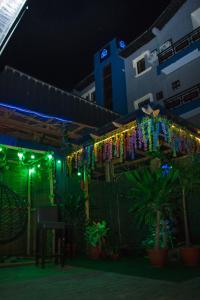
(20, 155)
(31, 171)
(50, 156)
(32, 156)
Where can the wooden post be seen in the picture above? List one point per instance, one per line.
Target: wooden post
(86, 192)
(28, 249)
(51, 189)
(107, 171)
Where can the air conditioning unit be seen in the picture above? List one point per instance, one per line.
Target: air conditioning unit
(153, 57)
(166, 45)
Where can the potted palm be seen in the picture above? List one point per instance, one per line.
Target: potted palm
(189, 180)
(152, 201)
(94, 234)
(74, 216)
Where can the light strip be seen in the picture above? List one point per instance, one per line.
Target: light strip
(34, 113)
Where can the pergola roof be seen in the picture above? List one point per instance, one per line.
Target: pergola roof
(22, 90)
(40, 128)
(137, 135)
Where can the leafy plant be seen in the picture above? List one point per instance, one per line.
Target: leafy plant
(95, 232)
(73, 209)
(152, 195)
(189, 181)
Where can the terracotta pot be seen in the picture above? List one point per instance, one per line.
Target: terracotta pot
(115, 256)
(71, 249)
(158, 257)
(95, 252)
(190, 256)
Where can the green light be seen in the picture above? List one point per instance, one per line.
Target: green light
(59, 161)
(79, 173)
(50, 156)
(32, 156)
(31, 171)
(39, 166)
(20, 155)
(1, 149)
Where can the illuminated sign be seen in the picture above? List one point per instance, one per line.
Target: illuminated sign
(104, 53)
(122, 44)
(10, 11)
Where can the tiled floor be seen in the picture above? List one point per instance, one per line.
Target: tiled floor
(79, 283)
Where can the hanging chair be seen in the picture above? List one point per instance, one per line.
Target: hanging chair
(13, 215)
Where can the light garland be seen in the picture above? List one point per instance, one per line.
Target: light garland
(145, 135)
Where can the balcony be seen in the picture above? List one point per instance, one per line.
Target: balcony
(184, 101)
(179, 46)
(180, 53)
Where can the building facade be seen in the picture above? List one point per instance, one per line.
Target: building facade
(161, 66)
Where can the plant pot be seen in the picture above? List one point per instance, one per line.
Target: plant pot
(95, 252)
(190, 256)
(115, 256)
(71, 249)
(158, 257)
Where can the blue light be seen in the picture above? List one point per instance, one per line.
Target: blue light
(34, 113)
(166, 169)
(104, 53)
(122, 44)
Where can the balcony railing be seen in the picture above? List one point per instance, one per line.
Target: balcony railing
(180, 99)
(181, 44)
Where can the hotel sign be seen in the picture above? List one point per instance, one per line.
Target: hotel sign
(9, 12)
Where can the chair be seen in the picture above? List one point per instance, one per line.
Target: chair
(48, 219)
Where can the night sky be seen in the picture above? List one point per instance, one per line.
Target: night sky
(56, 40)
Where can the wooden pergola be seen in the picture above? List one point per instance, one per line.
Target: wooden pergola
(39, 128)
(130, 144)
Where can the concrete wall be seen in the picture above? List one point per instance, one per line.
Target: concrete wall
(151, 82)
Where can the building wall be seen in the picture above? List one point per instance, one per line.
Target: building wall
(153, 82)
(118, 78)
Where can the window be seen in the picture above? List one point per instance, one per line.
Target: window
(176, 84)
(140, 64)
(159, 95)
(144, 101)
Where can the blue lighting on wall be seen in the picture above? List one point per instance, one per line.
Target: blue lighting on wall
(104, 53)
(33, 113)
(122, 44)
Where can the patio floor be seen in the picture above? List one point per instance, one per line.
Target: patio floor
(85, 279)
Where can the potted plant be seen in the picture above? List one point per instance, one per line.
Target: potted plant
(94, 234)
(152, 201)
(73, 215)
(189, 180)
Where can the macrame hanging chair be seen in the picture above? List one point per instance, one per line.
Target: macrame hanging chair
(13, 215)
